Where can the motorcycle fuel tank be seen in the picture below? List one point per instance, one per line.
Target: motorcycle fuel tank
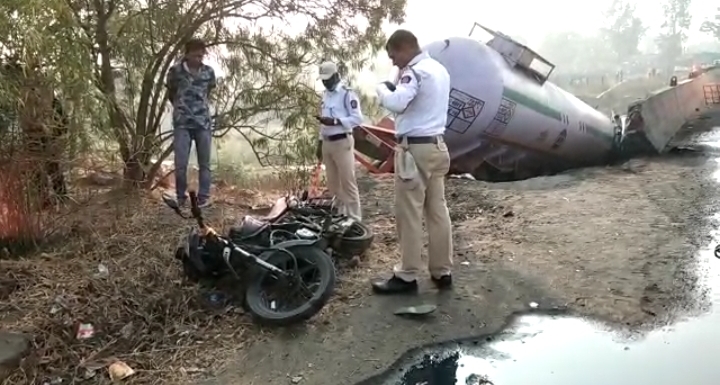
(500, 99)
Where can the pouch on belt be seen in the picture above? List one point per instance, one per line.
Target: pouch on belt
(405, 166)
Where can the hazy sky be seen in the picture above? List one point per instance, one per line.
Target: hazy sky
(531, 19)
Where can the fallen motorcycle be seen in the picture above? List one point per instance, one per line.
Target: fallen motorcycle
(293, 218)
(284, 283)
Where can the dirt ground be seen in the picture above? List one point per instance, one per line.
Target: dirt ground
(613, 243)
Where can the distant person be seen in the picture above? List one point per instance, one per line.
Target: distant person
(189, 84)
(339, 113)
(422, 161)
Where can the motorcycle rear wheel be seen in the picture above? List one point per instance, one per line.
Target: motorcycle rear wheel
(356, 241)
(310, 260)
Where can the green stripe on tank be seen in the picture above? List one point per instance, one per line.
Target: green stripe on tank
(550, 112)
(532, 104)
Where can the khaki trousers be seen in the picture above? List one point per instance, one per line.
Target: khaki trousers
(339, 160)
(418, 197)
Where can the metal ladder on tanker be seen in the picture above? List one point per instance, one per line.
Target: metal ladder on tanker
(711, 92)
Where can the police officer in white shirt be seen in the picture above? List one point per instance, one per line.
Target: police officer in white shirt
(420, 100)
(339, 114)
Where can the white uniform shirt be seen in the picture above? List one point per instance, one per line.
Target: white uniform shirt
(341, 103)
(421, 98)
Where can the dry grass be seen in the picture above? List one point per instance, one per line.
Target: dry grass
(263, 178)
(143, 311)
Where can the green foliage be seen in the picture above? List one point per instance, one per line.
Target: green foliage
(612, 45)
(674, 29)
(712, 26)
(38, 49)
(562, 49)
(372, 111)
(624, 30)
(109, 59)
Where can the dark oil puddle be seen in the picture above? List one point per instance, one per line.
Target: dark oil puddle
(562, 350)
(559, 350)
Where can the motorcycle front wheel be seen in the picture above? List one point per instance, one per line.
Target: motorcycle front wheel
(192, 274)
(279, 301)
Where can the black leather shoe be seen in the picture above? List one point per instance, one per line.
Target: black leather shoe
(444, 282)
(394, 285)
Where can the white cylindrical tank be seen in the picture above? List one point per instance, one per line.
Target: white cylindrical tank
(492, 101)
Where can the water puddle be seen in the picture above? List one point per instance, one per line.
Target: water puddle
(557, 350)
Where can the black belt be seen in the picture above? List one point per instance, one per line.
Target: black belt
(336, 137)
(435, 139)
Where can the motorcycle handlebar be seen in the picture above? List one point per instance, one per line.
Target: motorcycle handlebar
(195, 209)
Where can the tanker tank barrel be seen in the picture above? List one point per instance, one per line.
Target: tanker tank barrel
(506, 119)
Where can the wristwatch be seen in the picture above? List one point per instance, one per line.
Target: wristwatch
(336, 122)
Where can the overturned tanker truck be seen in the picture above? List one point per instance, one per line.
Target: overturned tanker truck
(507, 121)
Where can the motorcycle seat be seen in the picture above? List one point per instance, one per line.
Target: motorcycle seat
(278, 209)
(251, 226)
(248, 227)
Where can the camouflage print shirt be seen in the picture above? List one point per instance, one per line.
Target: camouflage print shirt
(191, 109)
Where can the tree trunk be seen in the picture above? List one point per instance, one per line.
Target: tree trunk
(35, 118)
(133, 172)
(152, 174)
